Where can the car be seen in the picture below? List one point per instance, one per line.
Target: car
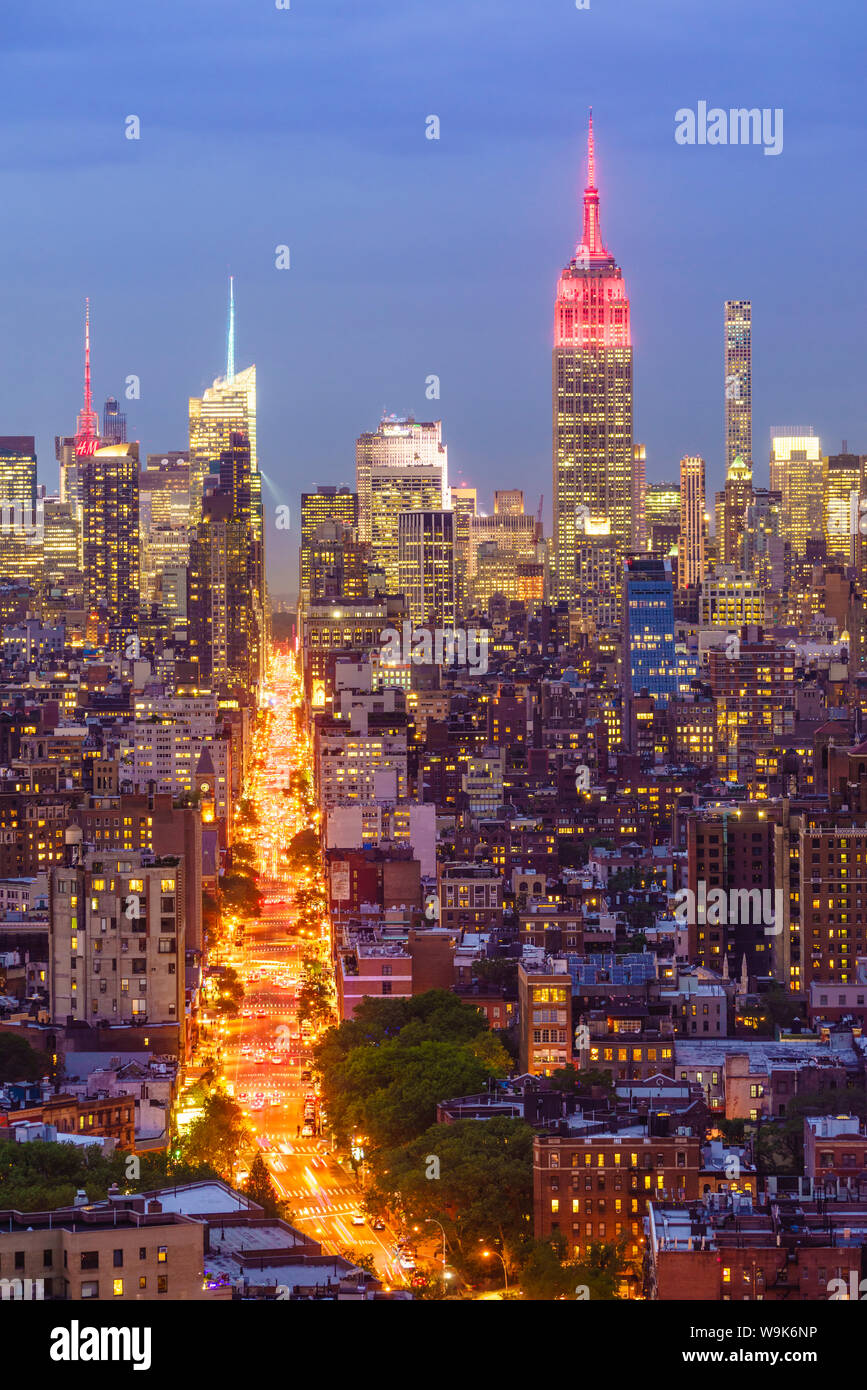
(246, 1013)
(357, 1218)
(407, 1261)
(305, 1075)
(307, 1132)
(377, 1224)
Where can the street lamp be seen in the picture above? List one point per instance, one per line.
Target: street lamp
(431, 1220)
(486, 1255)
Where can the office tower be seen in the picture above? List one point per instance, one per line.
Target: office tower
(735, 498)
(509, 502)
(110, 535)
(326, 504)
(730, 598)
(336, 564)
(511, 532)
(18, 479)
(20, 521)
(113, 422)
(691, 555)
(592, 396)
(61, 543)
(639, 497)
(599, 568)
(738, 382)
(226, 407)
(164, 515)
(766, 555)
(798, 474)
(225, 617)
(426, 566)
(400, 444)
(845, 487)
(396, 488)
(662, 517)
(649, 659)
(464, 505)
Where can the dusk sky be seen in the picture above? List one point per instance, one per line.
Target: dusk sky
(411, 257)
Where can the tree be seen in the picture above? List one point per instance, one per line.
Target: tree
(474, 1176)
(364, 1261)
(260, 1187)
(547, 1274)
(216, 1136)
(19, 1061)
(581, 1080)
(498, 974)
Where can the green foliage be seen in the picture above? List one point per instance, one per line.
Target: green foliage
(216, 1137)
(484, 1187)
(546, 1273)
(581, 1081)
(21, 1062)
(42, 1176)
(261, 1189)
(384, 1071)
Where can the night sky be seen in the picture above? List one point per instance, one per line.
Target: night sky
(409, 257)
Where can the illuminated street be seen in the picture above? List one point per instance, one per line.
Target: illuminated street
(264, 1062)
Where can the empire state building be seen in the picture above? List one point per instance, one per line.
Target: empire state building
(592, 399)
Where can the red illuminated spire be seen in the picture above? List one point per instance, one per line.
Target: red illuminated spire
(87, 433)
(591, 238)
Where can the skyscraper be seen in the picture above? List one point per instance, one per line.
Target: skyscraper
(691, 557)
(844, 480)
(464, 504)
(592, 396)
(21, 516)
(228, 406)
(649, 658)
(398, 443)
(396, 488)
(326, 505)
(113, 422)
(738, 381)
(798, 474)
(735, 498)
(426, 566)
(110, 516)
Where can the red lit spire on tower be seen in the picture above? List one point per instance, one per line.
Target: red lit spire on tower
(591, 238)
(87, 433)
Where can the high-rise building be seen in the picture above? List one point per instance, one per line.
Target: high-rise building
(113, 422)
(649, 659)
(730, 598)
(225, 602)
(599, 567)
(766, 554)
(731, 510)
(426, 566)
(61, 542)
(464, 506)
(395, 488)
(327, 504)
(21, 519)
(225, 408)
(164, 513)
(512, 532)
(639, 497)
(798, 474)
(18, 479)
(593, 450)
(110, 535)
(509, 502)
(845, 477)
(738, 382)
(399, 443)
(691, 554)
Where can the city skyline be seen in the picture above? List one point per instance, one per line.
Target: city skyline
(675, 215)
